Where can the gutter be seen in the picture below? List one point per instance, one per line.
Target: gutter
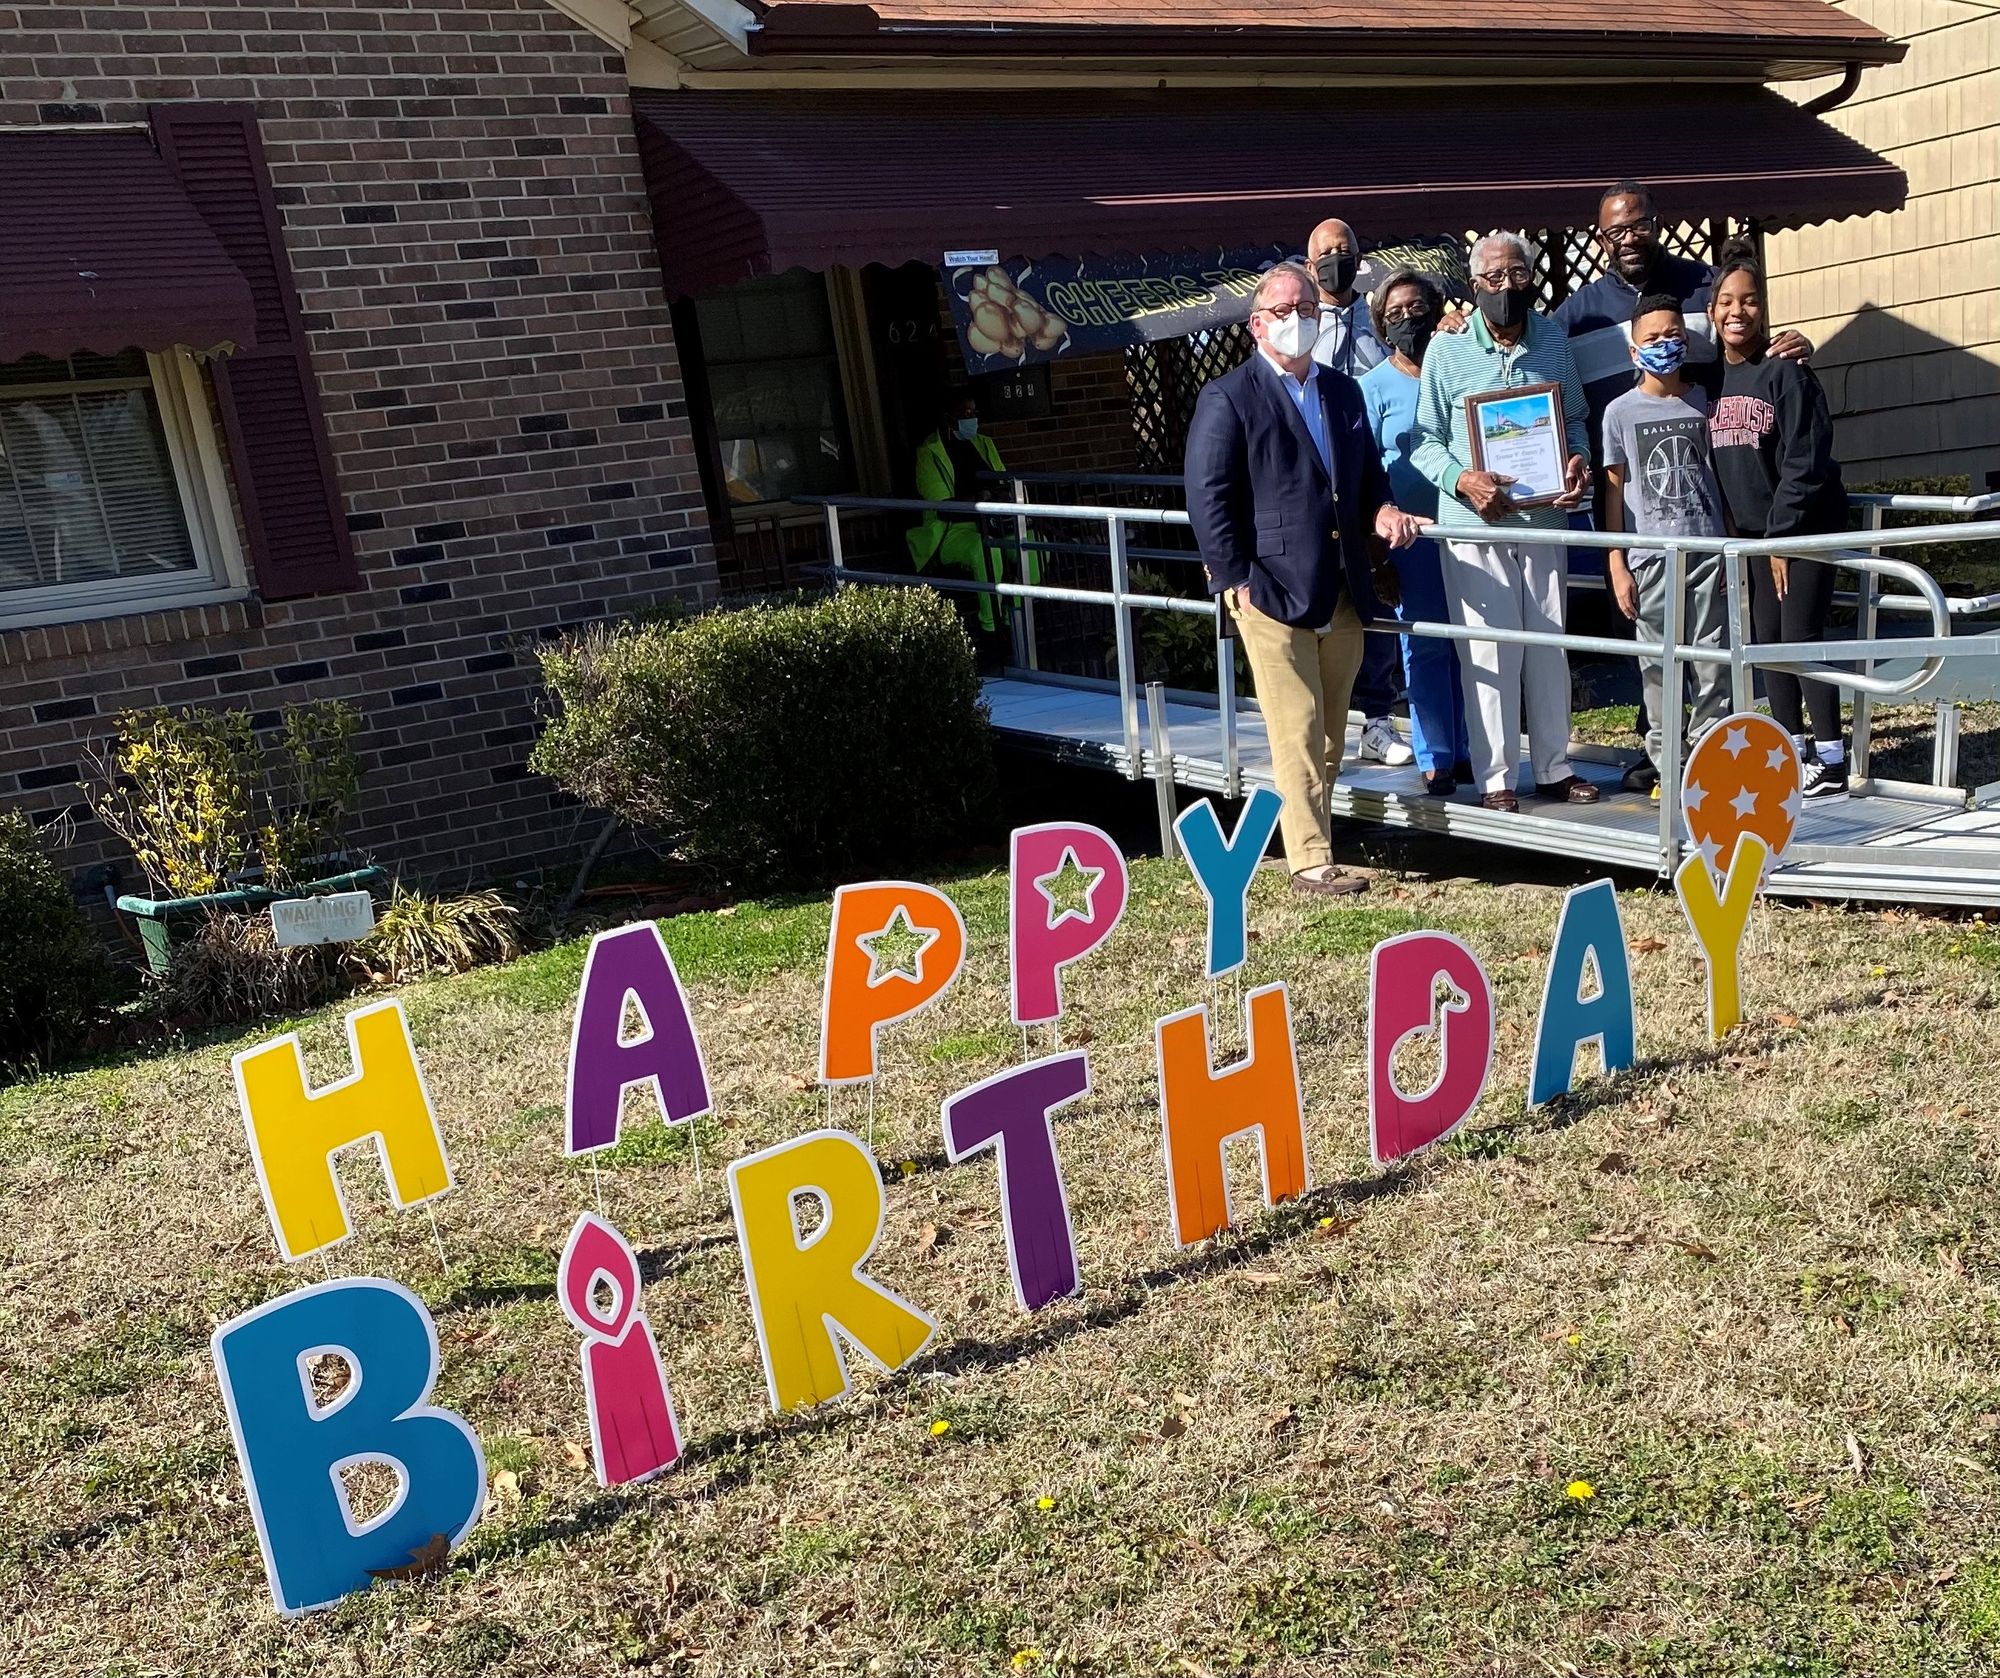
(833, 27)
(1850, 79)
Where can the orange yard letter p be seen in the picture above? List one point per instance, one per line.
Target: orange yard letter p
(1200, 1110)
(894, 947)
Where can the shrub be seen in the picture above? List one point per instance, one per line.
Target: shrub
(801, 742)
(419, 934)
(53, 978)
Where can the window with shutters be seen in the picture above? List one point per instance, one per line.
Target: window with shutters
(111, 490)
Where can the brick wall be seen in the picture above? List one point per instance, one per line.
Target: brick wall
(465, 217)
(1089, 427)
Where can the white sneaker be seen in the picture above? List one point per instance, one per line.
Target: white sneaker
(1380, 743)
(1822, 780)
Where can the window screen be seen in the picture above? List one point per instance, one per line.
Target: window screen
(87, 489)
(774, 388)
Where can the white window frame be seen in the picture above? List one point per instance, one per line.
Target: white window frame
(219, 573)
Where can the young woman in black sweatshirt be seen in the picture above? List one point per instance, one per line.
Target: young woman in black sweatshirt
(1772, 439)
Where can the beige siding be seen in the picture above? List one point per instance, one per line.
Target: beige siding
(1906, 307)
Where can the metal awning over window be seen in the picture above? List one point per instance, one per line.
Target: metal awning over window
(758, 182)
(102, 251)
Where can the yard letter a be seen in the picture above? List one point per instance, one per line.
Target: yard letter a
(294, 1132)
(1201, 1110)
(293, 1448)
(1587, 930)
(631, 964)
(808, 1290)
(1718, 924)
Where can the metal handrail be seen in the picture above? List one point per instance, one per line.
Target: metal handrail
(1741, 656)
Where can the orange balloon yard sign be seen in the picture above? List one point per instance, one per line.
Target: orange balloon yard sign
(893, 948)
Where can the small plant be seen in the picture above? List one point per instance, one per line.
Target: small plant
(178, 788)
(419, 934)
(53, 978)
(1178, 648)
(201, 802)
(311, 784)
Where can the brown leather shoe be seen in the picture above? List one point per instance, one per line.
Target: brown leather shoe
(1501, 800)
(1325, 880)
(1571, 789)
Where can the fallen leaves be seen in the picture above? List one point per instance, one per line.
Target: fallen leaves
(1646, 946)
(1692, 1245)
(426, 1560)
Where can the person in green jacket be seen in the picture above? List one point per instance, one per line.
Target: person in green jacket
(949, 462)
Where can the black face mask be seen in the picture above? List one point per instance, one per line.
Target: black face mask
(1335, 272)
(1411, 334)
(1504, 309)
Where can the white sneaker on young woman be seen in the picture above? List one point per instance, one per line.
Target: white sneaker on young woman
(1822, 780)
(1381, 744)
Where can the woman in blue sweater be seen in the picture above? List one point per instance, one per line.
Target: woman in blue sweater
(1406, 309)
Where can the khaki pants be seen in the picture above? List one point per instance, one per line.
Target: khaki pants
(1304, 680)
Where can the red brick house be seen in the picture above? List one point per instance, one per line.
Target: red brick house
(344, 351)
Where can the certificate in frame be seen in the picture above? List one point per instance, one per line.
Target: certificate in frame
(1518, 433)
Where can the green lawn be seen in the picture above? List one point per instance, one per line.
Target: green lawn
(1693, 1374)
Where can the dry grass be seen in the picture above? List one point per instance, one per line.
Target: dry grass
(1748, 1296)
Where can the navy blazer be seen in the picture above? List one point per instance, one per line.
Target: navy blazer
(1263, 511)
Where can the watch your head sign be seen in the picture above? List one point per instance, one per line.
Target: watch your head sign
(809, 1211)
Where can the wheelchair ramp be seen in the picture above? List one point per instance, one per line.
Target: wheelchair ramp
(1876, 847)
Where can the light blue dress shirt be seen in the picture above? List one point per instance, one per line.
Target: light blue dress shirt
(1305, 397)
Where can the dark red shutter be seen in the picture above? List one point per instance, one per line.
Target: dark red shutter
(271, 415)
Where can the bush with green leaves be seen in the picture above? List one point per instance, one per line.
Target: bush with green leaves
(53, 977)
(806, 742)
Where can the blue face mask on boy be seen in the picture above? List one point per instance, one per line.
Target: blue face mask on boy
(1663, 356)
(968, 427)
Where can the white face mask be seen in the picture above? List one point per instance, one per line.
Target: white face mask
(1293, 336)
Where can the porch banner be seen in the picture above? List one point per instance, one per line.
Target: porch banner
(1025, 310)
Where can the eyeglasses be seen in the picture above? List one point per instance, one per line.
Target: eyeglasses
(1500, 279)
(1418, 310)
(1283, 311)
(1626, 232)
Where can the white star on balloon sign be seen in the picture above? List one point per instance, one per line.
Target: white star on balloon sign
(1736, 742)
(1744, 803)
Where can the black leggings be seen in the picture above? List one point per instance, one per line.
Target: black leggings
(1800, 616)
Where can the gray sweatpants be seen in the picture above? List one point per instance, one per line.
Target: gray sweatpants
(1704, 623)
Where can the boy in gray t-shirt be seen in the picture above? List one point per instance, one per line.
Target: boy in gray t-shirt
(1660, 481)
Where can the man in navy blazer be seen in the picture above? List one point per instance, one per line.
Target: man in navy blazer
(1285, 489)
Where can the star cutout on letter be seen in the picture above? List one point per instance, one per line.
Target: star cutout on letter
(1069, 889)
(1775, 758)
(1736, 742)
(1744, 803)
(1692, 797)
(898, 949)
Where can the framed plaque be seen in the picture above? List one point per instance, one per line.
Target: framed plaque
(1518, 434)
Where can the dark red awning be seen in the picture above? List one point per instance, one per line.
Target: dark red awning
(101, 250)
(759, 182)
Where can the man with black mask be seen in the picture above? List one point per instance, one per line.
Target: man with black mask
(1347, 343)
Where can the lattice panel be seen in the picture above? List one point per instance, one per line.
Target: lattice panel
(1165, 378)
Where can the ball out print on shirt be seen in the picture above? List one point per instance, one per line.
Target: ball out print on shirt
(1672, 463)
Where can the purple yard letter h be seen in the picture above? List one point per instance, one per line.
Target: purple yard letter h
(1011, 1113)
(631, 964)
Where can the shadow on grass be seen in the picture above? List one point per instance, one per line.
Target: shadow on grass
(655, 1264)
